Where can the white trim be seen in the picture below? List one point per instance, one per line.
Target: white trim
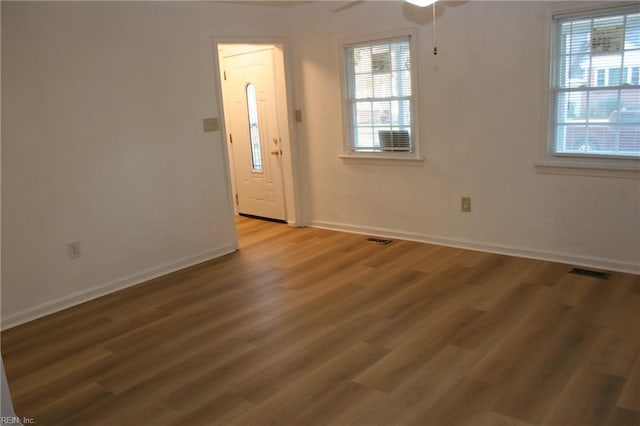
(553, 256)
(550, 162)
(86, 295)
(412, 34)
(384, 160)
(583, 169)
(292, 169)
(231, 199)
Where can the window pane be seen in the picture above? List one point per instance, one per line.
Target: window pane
(364, 137)
(608, 21)
(632, 35)
(582, 139)
(364, 86)
(381, 112)
(363, 114)
(254, 131)
(382, 86)
(602, 104)
(575, 59)
(378, 49)
(362, 60)
(578, 69)
(571, 107)
(401, 83)
(401, 57)
(404, 114)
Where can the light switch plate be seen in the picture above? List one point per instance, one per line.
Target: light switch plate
(210, 124)
(465, 204)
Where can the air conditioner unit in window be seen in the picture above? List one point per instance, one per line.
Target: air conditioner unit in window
(394, 140)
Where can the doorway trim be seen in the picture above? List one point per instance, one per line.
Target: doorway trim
(291, 170)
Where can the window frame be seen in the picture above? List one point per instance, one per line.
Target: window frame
(550, 161)
(381, 157)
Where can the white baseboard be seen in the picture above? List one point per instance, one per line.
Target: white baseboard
(76, 298)
(553, 256)
(86, 295)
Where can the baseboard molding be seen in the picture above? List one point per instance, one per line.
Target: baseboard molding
(86, 295)
(76, 298)
(553, 256)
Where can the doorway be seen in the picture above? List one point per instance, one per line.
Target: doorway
(256, 118)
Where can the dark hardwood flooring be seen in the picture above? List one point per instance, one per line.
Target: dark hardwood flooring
(306, 326)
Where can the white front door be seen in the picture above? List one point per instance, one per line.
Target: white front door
(254, 136)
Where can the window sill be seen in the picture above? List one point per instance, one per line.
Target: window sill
(382, 159)
(555, 167)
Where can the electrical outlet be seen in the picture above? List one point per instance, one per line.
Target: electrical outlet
(73, 248)
(465, 204)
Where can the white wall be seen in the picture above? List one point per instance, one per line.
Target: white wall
(6, 404)
(482, 102)
(102, 108)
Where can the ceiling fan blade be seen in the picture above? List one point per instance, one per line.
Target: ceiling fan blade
(349, 5)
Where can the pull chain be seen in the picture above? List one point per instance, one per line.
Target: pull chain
(435, 48)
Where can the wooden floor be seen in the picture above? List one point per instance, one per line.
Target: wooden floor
(305, 327)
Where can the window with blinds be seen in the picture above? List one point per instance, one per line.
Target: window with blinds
(379, 106)
(596, 84)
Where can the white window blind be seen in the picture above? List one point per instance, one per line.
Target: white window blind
(379, 96)
(596, 100)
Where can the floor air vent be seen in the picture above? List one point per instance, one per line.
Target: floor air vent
(379, 241)
(590, 273)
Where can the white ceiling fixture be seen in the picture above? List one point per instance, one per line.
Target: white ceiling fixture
(421, 3)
